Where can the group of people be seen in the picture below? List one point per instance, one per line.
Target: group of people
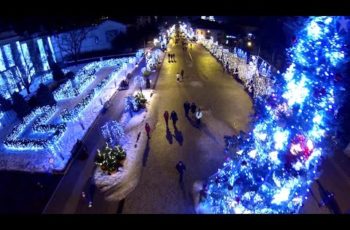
(197, 112)
(173, 117)
(180, 166)
(171, 57)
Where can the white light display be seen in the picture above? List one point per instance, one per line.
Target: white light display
(256, 80)
(2, 63)
(8, 55)
(43, 55)
(18, 45)
(51, 48)
(11, 81)
(27, 58)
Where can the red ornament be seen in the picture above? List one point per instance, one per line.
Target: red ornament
(238, 199)
(294, 39)
(300, 148)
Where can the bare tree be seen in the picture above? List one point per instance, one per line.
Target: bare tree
(71, 42)
(24, 70)
(26, 76)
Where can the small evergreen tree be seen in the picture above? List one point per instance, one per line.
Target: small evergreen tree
(20, 105)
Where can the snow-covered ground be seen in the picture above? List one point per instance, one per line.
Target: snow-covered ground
(56, 156)
(118, 185)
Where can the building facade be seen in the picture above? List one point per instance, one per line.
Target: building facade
(97, 38)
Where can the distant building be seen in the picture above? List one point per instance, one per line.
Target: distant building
(208, 30)
(98, 38)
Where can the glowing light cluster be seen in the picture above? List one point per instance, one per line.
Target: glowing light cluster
(113, 132)
(152, 59)
(256, 75)
(73, 114)
(38, 117)
(275, 164)
(85, 77)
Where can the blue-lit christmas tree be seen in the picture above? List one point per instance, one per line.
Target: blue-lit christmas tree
(273, 165)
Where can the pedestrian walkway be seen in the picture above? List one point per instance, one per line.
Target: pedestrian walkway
(226, 109)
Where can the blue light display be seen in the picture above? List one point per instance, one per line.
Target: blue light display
(275, 164)
(39, 117)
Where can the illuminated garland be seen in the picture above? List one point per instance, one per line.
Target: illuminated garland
(42, 115)
(85, 77)
(257, 80)
(73, 114)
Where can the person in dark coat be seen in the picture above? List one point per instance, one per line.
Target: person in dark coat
(199, 115)
(182, 74)
(89, 191)
(169, 57)
(173, 117)
(193, 107)
(180, 167)
(166, 117)
(187, 107)
(148, 130)
(328, 199)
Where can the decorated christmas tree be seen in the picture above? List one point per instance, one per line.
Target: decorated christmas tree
(110, 159)
(271, 168)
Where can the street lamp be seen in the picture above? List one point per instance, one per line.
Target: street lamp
(249, 44)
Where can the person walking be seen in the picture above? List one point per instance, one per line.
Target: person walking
(328, 199)
(174, 57)
(182, 74)
(89, 191)
(199, 115)
(193, 107)
(166, 118)
(169, 57)
(180, 167)
(177, 77)
(173, 117)
(187, 107)
(148, 130)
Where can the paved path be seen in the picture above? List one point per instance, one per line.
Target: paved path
(226, 109)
